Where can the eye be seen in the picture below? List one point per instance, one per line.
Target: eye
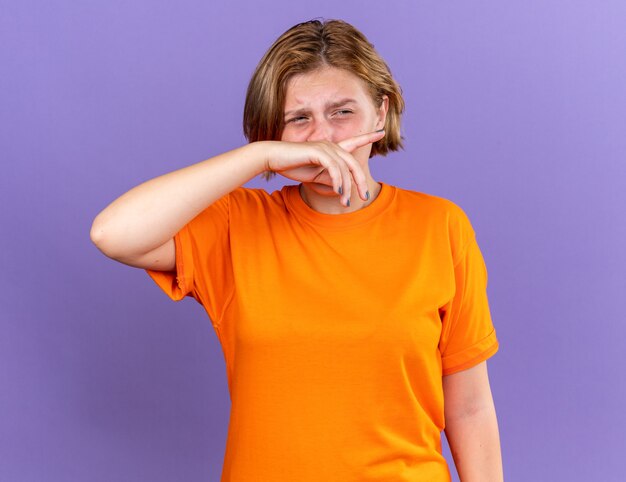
(296, 120)
(343, 112)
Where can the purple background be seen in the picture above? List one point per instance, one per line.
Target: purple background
(515, 110)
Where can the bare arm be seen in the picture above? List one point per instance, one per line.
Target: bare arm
(472, 426)
(138, 227)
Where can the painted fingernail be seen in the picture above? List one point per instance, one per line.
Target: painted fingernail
(367, 195)
(340, 190)
(348, 203)
(381, 130)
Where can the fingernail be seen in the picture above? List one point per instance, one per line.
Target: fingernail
(367, 195)
(381, 130)
(340, 190)
(348, 203)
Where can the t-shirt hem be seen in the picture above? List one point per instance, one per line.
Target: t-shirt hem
(477, 353)
(176, 284)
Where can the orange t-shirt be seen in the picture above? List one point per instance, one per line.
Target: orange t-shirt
(336, 329)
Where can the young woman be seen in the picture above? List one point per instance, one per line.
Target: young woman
(348, 310)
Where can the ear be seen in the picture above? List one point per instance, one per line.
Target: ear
(382, 113)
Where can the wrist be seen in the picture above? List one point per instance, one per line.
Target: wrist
(258, 154)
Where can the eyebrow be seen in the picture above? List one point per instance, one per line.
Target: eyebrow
(331, 105)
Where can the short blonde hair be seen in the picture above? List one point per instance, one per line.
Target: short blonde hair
(309, 46)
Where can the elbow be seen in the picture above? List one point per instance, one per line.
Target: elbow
(114, 240)
(96, 233)
(100, 235)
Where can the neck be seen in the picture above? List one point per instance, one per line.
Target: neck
(332, 205)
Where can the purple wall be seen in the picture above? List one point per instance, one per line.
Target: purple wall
(516, 111)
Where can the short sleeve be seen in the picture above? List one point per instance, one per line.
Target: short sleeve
(203, 261)
(468, 335)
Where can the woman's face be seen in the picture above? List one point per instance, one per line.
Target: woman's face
(330, 104)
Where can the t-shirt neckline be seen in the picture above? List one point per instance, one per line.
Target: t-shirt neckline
(296, 204)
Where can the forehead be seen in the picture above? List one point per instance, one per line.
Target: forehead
(324, 85)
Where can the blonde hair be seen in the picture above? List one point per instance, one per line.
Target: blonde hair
(304, 48)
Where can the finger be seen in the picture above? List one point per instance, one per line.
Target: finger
(353, 143)
(347, 181)
(331, 167)
(356, 173)
(338, 160)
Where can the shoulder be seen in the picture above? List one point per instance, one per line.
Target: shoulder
(244, 199)
(430, 204)
(447, 217)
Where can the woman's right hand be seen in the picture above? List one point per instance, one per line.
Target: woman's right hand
(322, 162)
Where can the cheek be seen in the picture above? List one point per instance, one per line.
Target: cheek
(350, 128)
(344, 129)
(359, 124)
(293, 135)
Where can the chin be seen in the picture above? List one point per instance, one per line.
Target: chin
(321, 189)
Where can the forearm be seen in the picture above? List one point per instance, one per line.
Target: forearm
(153, 212)
(474, 441)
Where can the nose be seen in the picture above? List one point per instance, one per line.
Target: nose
(321, 130)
